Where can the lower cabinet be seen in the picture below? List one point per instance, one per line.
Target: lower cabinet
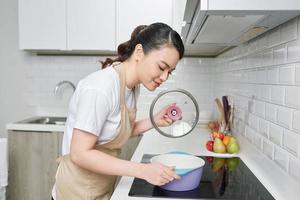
(32, 164)
(129, 148)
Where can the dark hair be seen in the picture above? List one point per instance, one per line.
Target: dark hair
(150, 37)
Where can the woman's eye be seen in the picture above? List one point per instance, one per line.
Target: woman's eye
(162, 69)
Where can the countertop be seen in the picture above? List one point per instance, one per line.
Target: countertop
(276, 181)
(23, 125)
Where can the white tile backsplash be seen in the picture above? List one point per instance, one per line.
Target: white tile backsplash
(271, 112)
(296, 120)
(259, 108)
(276, 133)
(291, 142)
(287, 74)
(264, 127)
(268, 148)
(277, 94)
(281, 157)
(297, 74)
(293, 51)
(294, 166)
(292, 97)
(279, 54)
(267, 89)
(284, 116)
(47, 71)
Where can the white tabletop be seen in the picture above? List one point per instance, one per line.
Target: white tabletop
(276, 181)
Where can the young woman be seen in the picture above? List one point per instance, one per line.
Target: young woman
(102, 113)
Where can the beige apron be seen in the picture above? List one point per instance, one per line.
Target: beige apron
(76, 183)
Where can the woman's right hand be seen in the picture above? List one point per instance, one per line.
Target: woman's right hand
(158, 174)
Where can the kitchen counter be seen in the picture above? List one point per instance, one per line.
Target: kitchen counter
(275, 180)
(25, 126)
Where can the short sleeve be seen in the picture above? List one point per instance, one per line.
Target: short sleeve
(92, 111)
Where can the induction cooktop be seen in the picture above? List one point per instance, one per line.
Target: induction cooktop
(222, 178)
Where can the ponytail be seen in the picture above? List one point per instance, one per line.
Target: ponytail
(150, 37)
(125, 49)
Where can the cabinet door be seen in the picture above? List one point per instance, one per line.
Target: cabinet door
(32, 164)
(42, 24)
(91, 25)
(131, 13)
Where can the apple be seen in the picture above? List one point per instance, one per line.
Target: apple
(209, 145)
(218, 135)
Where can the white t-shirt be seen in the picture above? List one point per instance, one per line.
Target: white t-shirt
(95, 108)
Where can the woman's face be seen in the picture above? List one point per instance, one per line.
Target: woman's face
(154, 67)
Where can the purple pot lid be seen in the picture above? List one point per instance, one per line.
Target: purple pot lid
(181, 107)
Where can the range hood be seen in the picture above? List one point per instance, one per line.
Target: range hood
(214, 26)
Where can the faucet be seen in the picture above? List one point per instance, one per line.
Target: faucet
(58, 85)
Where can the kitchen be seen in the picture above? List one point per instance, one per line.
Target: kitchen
(262, 74)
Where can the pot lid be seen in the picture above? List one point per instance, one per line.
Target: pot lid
(181, 107)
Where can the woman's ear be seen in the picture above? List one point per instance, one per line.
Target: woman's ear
(138, 52)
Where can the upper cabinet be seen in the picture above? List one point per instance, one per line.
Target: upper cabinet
(89, 26)
(67, 25)
(42, 24)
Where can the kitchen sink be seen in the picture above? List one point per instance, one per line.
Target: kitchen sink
(45, 120)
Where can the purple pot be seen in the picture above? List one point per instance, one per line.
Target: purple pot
(187, 166)
(187, 182)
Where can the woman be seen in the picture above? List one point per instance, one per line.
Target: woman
(102, 112)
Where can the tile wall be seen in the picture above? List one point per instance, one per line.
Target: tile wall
(263, 77)
(44, 72)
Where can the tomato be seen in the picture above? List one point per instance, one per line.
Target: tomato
(209, 145)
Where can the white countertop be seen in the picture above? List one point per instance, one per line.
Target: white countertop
(23, 126)
(276, 181)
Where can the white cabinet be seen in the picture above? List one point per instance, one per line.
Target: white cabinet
(42, 24)
(131, 13)
(91, 25)
(67, 25)
(94, 25)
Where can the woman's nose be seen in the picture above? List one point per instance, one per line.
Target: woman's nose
(164, 76)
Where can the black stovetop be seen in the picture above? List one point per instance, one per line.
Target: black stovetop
(222, 178)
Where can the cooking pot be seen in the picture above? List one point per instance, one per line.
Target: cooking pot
(187, 166)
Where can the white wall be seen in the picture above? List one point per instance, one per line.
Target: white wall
(263, 77)
(12, 68)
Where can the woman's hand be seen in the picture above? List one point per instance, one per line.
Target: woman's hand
(161, 118)
(158, 174)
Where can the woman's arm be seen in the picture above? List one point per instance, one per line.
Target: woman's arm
(84, 155)
(161, 119)
(141, 126)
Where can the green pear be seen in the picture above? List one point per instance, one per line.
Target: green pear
(219, 147)
(233, 146)
(232, 163)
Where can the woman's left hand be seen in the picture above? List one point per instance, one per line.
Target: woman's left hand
(161, 118)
